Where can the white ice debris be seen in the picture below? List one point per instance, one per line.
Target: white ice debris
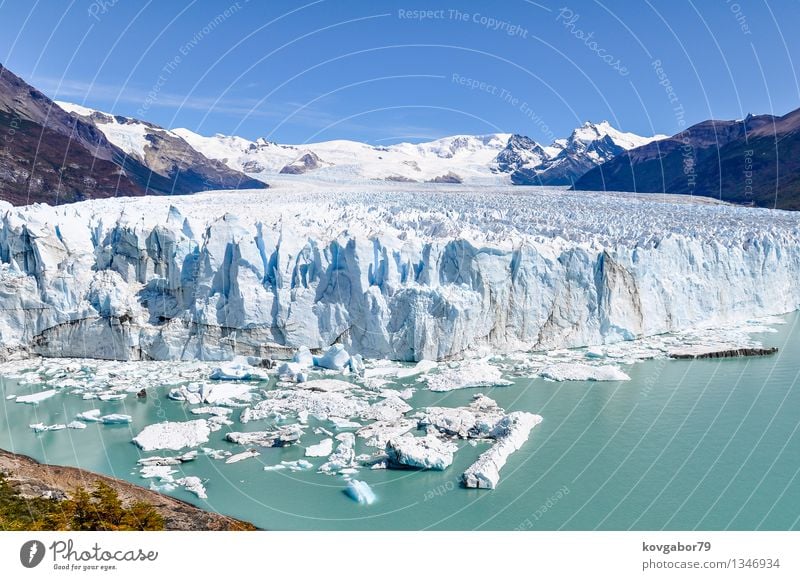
(115, 419)
(194, 485)
(41, 427)
(35, 398)
(161, 472)
(477, 420)
(510, 433)
(321, 449)
(465, 375)
(297, 465)
(216, 453)
(384, 368)
(112, 396)
(327, 385)
(238, 370)
(189, 393)
(173, 435)
(226, 393)
(360, 491)
(243, 455)
(177, 460)
(583, 372)
(379, 432)
(344, 457)
(90, 416)
(391, 408)
(76, 425)
(335, 358)
(428, 452)
(321, 404)
(303, 357)
(216, 411)
(278, 438)
(341, 424)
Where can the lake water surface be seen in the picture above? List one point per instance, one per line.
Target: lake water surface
(706, 444)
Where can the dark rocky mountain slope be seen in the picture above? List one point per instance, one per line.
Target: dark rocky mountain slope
(49, 155)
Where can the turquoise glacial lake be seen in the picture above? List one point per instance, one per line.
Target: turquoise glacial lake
(683, 445)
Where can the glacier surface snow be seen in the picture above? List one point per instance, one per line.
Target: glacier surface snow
(422, 273)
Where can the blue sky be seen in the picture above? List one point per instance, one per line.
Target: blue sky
(380, 72)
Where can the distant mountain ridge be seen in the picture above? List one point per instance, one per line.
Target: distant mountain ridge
(164, 153)
(49, 155)
(755, 160)
(63, 152)
(563, 162)
(492, 158)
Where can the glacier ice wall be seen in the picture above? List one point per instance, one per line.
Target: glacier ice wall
(401, 275)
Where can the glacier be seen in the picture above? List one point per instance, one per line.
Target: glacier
(406, 273)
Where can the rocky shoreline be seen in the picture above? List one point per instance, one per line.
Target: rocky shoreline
(34, 479)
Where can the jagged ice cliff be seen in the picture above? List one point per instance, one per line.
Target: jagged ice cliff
(422, 273)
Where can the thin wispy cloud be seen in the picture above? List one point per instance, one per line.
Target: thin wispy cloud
(126, 100)
(90, 94)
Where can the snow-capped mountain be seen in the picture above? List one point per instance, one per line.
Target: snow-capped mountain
(154, 160)
(566, 160)
(54, 157)
(485, 159)
(458, 158)
(164, 153)
(751, 161)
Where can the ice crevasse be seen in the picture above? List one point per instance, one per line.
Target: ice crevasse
(394, 275)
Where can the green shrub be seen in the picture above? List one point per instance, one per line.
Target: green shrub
(99, 509)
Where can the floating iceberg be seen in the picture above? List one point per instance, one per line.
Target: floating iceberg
(226, 393)
(477, 420)
(91, 416)
(161, 461)
(327, 385)
(511, 433)
(173, 435)
(583, 372)
(278, 438)
(320, 404)
(321, 449)
(250, 453)
(379, 432)
(428, 452)
(163, 473)
(335, 358)
(303, 357)
(360, 491)
(467, 375)
(298, 465)
(344, 457)
(115, 419)
(194, 485)
(391, 408)
(36, 398)
(238, 370)
(216, 411)
(41, 427)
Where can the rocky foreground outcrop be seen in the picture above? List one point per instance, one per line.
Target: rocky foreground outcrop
(33, 479)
